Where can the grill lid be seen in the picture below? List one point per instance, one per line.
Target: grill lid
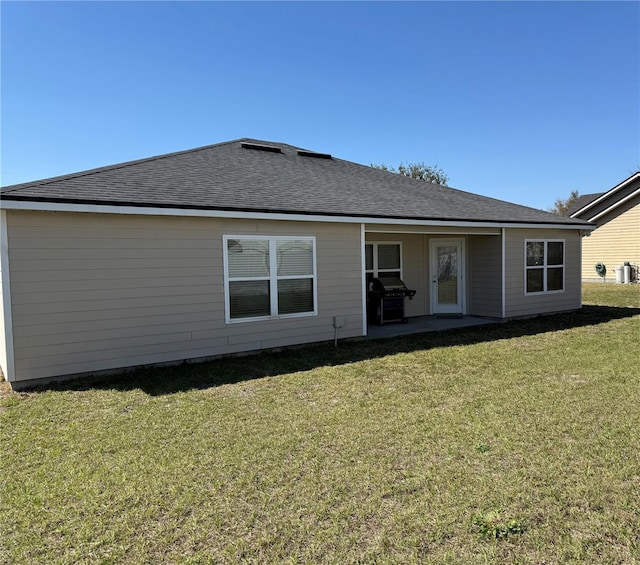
(391, 283)
(389, 287)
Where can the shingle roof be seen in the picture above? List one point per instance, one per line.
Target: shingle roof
(582, 201)
(227, 176)
(595, 206)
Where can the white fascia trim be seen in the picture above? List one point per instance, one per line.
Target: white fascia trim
(6, 299)
(426, 231)
(606, 194)
(194, 213)
(614, 206)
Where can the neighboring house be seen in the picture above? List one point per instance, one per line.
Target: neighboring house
(616, 239)
(248, 245)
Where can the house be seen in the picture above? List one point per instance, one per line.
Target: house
(248, 245)
(616, 239)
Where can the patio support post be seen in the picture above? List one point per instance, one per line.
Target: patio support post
(5, 296)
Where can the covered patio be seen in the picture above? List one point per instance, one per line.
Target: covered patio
(456, 272)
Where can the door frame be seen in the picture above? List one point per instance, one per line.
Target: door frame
(461, 306)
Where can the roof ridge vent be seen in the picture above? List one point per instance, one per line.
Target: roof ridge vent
(260, 147)
(314, 154)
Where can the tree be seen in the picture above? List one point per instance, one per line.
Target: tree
(561, 207)
(420, 171)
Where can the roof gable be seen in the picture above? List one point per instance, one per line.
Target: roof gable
(278, 178)
(592, 209)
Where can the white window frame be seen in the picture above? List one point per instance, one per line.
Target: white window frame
(272, 277)
(375, 271)
(545, 266)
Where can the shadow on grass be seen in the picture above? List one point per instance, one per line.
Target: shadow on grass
(187, 376)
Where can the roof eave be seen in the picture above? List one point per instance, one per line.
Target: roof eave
(15, 202)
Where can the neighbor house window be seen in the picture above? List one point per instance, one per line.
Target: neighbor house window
(544, 266)
(269, 277)
(382, 260)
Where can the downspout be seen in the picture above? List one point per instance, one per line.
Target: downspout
(364, 280)
(580, 236)
(503, 234)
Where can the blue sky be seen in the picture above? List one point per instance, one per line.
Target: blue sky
(522, 101)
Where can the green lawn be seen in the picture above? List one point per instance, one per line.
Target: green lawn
(512, 443)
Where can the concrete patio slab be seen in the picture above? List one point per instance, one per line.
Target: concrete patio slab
(420, 324)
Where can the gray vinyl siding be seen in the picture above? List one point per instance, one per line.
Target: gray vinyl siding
(484, 259)
(92, 292)
(520, 304)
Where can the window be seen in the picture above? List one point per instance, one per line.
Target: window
(382, 259)
(544, 266)
(269, 277)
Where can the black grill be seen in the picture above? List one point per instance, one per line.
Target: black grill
(385, 300)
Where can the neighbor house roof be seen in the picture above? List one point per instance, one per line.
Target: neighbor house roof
(248, 175)
(595, 206)
(582, 201)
